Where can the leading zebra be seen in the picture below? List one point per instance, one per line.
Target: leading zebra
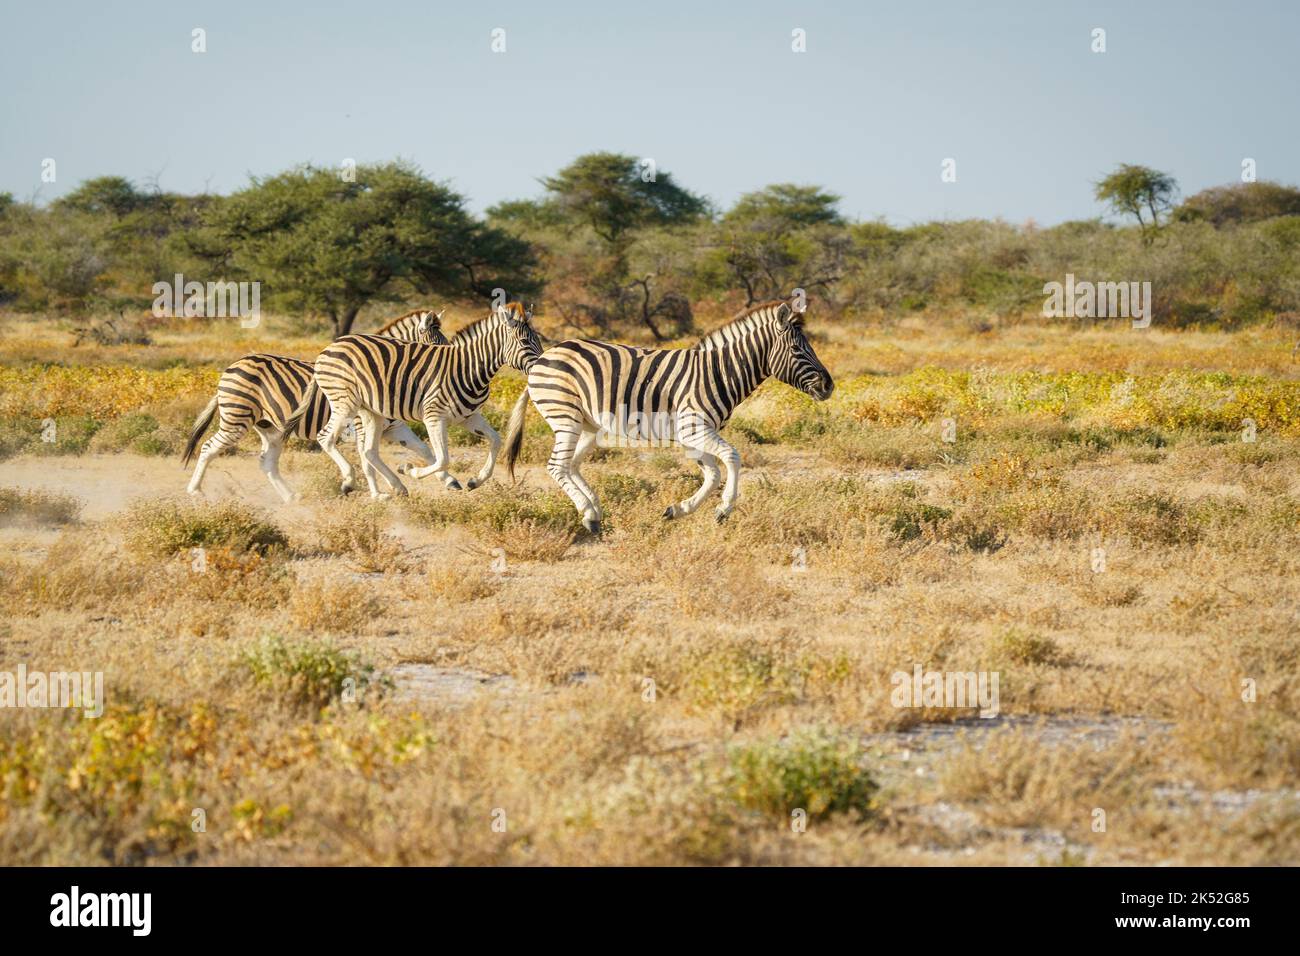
(591, 391)
(260, 391)
(380, 378)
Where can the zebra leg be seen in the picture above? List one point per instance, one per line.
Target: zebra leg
(270, 462)
(401, 434)
(709, 442)
(368, 469)
(477, 424)
(227, 436)
(709, 466)
(560, 468)
(372, 426)
(329, 441)
(586, 442)
(437, 428)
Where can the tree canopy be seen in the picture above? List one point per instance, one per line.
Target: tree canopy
(327, 244)
(786, 204)
(615, 195)
(1140, 192)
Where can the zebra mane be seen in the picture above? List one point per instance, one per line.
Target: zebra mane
(401, 318)
(750, 319)
(481, 326)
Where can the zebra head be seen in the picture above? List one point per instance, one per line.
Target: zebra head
(792, 359)
(522, 345)
(428, 330)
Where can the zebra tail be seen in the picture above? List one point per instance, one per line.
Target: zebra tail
(515, 432)
(200, 426)
(291, 423)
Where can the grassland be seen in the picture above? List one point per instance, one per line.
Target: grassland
(1113, 527)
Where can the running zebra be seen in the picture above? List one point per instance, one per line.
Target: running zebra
(380, 378)
(259, 391)
(591, 391)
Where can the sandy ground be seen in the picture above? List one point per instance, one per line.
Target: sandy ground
(107, 484)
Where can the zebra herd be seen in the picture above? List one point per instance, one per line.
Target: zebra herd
(588, 392)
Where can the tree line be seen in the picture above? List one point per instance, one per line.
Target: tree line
(613, 242)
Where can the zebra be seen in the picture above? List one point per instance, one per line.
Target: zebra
(259, 391)
(590, 391)
(381, 378)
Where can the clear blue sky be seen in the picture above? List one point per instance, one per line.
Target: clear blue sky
(884, 93)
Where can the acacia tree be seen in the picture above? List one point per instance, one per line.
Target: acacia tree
(605, 203)
(616, 195)
(618, 198)
(326, 244)
(780, 237)
(1138, 190)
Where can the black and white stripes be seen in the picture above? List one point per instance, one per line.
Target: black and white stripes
(594, 392)
(262, 391)
(381, 378)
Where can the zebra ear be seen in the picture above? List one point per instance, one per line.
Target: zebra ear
(785, 315)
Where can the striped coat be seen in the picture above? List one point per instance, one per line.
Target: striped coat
(380, 378)
(593, 392)
(261, 391)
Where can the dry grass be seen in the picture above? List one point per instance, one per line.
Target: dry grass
(684, 692)
(19, 508)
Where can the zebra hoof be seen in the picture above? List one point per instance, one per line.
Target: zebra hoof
(592, 525)
(454, 485)
(670, 513)
(472, 484)
(721, 516)
(347, 487)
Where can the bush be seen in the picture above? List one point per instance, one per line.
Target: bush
(164, 528)
(497, 508)
(1240, 202)
(1021, 647)
(308, 673)
(813, 770)
(911, 519)
(136, 432)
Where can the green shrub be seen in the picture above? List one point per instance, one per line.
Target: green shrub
(1021, 647)
(498, 509)
(163, 528)
(911, 519)
(135, 432)
(72, 436)
(813, 769)
(308, 673)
